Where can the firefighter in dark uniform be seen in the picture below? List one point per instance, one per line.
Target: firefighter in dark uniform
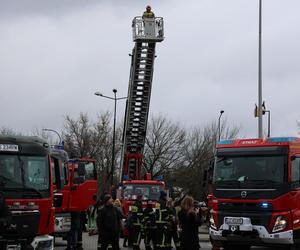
(137, 220)
(5, 217)
(149, 226)
(148, 13)
(161, 217)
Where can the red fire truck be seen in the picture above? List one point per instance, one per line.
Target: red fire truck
(146, 33)
(76, 187)
(25, 180)
(256, 193)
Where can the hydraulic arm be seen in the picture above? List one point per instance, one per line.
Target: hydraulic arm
(146, 32)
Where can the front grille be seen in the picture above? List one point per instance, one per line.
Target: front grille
(258, 215)
(243, 206)
(23, 224)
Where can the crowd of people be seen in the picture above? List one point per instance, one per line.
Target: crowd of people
(154, 226)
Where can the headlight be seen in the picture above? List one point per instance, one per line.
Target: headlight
(47, 244)
(212, 223)
(67, 220)
(280, 224)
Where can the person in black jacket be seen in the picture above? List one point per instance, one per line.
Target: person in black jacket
(5, 214)
(189, 220)
(108, 223)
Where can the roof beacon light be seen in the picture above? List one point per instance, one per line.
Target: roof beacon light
(282, 139)
(225, 142)
(265, 205)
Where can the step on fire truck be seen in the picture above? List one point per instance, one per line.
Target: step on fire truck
(25, 180)
(256, 194)
(146, 33)
(76, 187)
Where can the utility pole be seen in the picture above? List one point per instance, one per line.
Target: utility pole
(260, 121)
(115, 99)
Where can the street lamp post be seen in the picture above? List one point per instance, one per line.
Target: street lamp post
(219, 124)
(115, 99)
(52, 130)
(260, 121)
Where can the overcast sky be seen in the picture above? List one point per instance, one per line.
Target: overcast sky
(54, 54)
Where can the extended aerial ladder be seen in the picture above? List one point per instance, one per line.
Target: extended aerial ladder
(146, 33)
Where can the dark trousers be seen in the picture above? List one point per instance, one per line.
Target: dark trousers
(149, 237)
(161, 236)
(172, 234)
(72, 235)
(109, 244)
(136, 236)
(176, 239)
(79, 237)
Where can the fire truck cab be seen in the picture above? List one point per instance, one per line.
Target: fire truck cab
(25, 181)
(75, 185)
(255, 197)
(144, 189)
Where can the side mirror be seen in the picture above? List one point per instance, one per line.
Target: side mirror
(293, 157)
(210, 173)
(81, 169)
(58, 200)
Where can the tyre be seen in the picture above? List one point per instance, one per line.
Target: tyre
(292, 247)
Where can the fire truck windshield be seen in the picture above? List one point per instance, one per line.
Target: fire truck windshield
(146, 191)
(26, 173)
(246, 171)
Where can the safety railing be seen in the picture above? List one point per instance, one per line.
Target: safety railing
(148, 29)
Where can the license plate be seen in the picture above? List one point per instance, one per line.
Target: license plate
(13, 247)
(234, 221)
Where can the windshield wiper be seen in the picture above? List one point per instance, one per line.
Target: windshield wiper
(4, 180)
(30, 189)
(220, 159)
(26, 189)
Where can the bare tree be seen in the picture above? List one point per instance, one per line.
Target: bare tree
(199, 153)
(85, 138)
(298, 124)
(7, 131)
(163, 147)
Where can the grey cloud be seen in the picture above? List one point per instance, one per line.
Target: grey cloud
(51, 66)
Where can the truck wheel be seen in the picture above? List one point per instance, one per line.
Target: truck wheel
(293, 247)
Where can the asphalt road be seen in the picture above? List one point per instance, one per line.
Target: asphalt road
(90, 243)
